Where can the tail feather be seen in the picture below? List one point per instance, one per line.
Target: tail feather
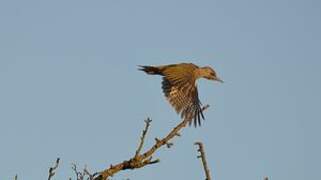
(150, 70)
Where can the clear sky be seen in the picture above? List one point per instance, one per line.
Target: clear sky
(69, 86)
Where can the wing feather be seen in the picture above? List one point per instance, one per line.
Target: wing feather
(183, 96)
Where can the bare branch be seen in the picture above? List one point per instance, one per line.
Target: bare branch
(141, 160)
(203, 157)
(84, 174)
(90, 175)
(142, 138)
(52, 169)
(79, 175)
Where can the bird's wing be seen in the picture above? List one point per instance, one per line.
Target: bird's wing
(183, 96)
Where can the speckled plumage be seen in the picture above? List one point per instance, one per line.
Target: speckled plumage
(179, 87)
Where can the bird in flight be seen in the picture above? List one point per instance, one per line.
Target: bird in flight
(180, 89)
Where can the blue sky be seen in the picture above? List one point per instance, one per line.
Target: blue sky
(70, 86)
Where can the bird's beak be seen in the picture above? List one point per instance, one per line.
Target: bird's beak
(218, 79)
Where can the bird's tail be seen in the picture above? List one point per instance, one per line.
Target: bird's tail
(150, 70)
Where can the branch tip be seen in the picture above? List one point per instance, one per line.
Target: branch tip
(142, 138)
(203, 158)
(52, 169)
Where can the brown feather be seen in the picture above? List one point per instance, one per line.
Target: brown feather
(179, 89)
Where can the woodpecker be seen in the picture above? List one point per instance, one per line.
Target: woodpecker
(180, 89)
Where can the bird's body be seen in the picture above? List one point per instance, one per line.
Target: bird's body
(179, 87)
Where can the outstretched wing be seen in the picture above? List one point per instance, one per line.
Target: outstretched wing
(183, 96)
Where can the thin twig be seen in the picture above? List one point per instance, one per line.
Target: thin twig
(82, 175)
(79, 175)
(141, 160)
(142, 138)
(203, 157)
(86, 172)
(52, 169)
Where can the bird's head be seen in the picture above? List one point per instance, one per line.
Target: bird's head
(209, 73)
